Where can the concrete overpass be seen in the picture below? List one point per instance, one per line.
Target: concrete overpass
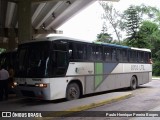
(22, 20)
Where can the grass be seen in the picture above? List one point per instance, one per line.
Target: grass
(155, 76)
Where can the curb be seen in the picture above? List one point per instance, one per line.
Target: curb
(84, 107)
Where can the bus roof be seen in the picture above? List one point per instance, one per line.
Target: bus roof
(114, 45)
(141, 49)
(54, 38)
(121, 46)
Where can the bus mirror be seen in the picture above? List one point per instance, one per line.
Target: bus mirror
(150, 61)
(70, 53)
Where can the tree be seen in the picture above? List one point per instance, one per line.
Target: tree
(148, 12)
(112, 16)
(149, 33)
(133, 18)
(144, 13)
(104, 37)
(145, 36)
(132, 24)
(142, 26)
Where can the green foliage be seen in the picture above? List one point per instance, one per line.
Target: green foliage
(104, 37)
(132, 24)
(147, 34)
(156, 68)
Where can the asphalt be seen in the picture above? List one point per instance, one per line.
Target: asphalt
(155, 114)
(156, 110)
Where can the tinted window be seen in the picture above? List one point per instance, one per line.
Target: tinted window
(89, 52)
(140, 56)
(124, 55)
(133, 56)
(98, 53)
(81, 51)
(33, 60)
(146, 57)
(114, 56)
(118, 55)
(107, 54)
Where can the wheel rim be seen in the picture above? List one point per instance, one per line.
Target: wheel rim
(73, 93)
(134, 83)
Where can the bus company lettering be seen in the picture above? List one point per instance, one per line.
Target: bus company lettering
(137, 67)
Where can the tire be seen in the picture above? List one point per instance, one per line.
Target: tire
(72, 92)
(133, 84)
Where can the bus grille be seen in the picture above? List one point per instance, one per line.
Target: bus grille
(28, 93)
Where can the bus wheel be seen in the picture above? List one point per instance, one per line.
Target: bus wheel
(73, 91)
(133, 85)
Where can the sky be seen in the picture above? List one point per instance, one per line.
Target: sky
(88, 23)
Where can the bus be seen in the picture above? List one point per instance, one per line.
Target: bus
(60, 67)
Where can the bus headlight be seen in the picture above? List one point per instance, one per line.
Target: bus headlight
(15, 84)
(41, 85)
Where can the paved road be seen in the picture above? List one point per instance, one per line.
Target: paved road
(145, 98)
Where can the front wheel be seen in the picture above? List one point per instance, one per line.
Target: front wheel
(72, 92)
(133, 84)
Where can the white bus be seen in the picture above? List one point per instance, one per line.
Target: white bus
(59, 67)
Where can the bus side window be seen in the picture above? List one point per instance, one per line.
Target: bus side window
(146, 57)
(124, 55)
(81, 51)
(133, 56)
(61, 59)
(114, 58)
(70, 52)
(93, 53)
(141, 57)
(98, 53)
(89, 52)
(107, 54)
(118, 55)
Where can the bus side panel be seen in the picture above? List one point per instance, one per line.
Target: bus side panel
(114, 81)
(89, 84)
(119, 75)
(141, 71)
(143, 78)
(80, 69)
(150, 76)
(58, 88)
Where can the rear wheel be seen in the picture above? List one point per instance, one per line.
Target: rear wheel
(133, 85)
(72, 92)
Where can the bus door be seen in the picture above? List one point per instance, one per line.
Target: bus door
(60, 58)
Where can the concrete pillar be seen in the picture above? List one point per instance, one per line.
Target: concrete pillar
(24, 20)
(11, 39)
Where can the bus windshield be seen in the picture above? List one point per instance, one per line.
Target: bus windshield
(33, 60)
